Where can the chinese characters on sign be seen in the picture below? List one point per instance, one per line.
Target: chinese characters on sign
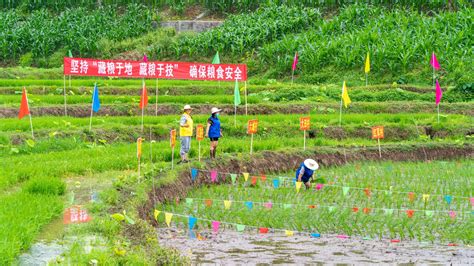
(164, 70)
(173, 138)
(252, 126)
(199, 132)
(377, 132)
(304, 123)
(76, 214)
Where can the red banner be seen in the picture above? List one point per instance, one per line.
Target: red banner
(160, 70)
(304, 123)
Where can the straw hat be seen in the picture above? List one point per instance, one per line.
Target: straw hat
(311, 164)
(215, 110)
(187, 107)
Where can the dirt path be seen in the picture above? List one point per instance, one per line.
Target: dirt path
(230, 247)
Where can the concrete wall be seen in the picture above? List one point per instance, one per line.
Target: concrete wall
(191, 25)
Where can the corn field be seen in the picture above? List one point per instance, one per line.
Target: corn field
(80, 30)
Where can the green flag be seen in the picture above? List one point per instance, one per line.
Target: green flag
(69, 53)
(216, 59)
(236, 94)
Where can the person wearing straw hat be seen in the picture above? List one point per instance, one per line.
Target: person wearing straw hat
(185, 133)
(305, 171)
(213, 130)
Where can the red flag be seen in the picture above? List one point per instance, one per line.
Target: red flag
(295, 61)
(439, 93)
(434, 62)
(144, 97)
(24, 108)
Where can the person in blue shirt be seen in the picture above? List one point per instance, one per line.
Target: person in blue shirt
(213, 130)
(305, 171)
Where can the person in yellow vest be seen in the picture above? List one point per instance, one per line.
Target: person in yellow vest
(185, 133)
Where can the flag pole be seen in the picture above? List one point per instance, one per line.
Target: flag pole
(292, 75)
(64, 92)
(235, 115)
(29, 114)
(438, 112)
(245, 86)
(366, 80)
(380, 150)
(92, 108)
(340, 113)
(156, 100)
(304, 140)
(251, 143)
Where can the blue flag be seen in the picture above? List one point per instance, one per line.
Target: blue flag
(249, 204)
(276, 183)
(95, 99)
(194, 173)
(448, 199)
(192, 221)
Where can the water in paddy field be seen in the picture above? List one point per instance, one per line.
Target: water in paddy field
(230, 247)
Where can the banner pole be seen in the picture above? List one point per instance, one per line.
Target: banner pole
(31, 126)
(138, 167)
(64, 92)
(156, 100)
(292, 75)
(380, 150)
(366, 80)
(245, 86)
(438, 112)
(251, 143)
(172, 158)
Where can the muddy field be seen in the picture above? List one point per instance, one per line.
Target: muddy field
(228, 247)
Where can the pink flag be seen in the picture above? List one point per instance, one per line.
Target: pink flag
(213, 176)
(472, 202)
(215, 226)
(145, 58)
(434, 62)
(439, 93)
(452, 214)
(295, 61)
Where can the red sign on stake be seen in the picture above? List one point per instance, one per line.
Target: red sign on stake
(377, 132)
(304, 123)
(173, 138)
(252, 126)
(155, 70)
(76, 214)
(199, 132)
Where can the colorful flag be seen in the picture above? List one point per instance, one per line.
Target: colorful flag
(345, 95)
(249, 204)
(192, 222)
(367, 63)
(156, 213)
(194, 173)
(69, 53)
(295, 61)
(144, 97)
(246, 176)
(439, 93)
(227, 204)
(145, 58)
(298, 186)
(236, 94)
(24, 107)
(288, 233)
(213, 176)
(95, 99)
(233, 177)
(215, 226)
(434, 62)
(168, 217)
(216, 59)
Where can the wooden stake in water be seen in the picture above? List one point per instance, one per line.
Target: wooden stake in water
(64, 93)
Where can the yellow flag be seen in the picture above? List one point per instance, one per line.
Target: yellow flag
(139, 147)
(288, 233)
(168, 217)
(246, 176)
(156, 213)
(227, 204)
(345, 95)
(426, 197)
(298, 186)
(367, 63)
